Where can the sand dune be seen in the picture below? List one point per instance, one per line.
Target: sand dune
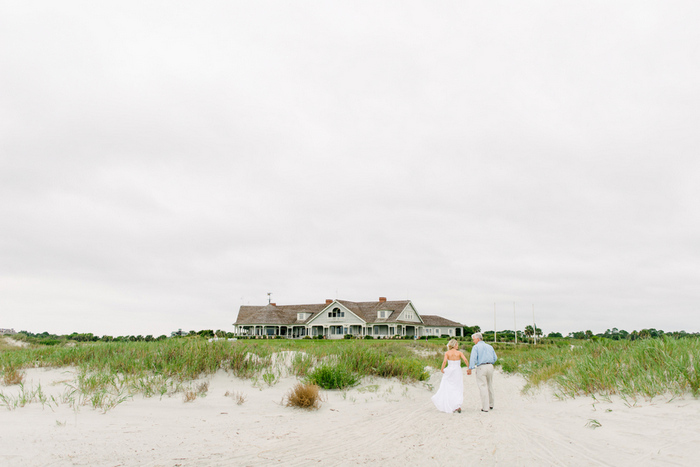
(380, 422)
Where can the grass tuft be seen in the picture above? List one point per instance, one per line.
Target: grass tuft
(304, 396)
(12, 375)
(239, 397)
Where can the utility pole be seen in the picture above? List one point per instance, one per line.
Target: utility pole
(494, 321)
(269, 298)
(534, 326)
(515, 326)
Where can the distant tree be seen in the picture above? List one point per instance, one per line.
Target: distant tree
(529, 332)
(82, 337)
(506, 335)
(149, 338)
(538, 332)
(469, 330)
(589, 334)
(162, 337)
(554, 334)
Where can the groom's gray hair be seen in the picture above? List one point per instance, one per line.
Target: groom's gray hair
(477, 335)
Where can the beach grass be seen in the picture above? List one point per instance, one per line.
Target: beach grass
(107, 373)
(643, 368)
(111, 372)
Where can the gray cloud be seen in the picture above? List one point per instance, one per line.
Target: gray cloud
(160, 165)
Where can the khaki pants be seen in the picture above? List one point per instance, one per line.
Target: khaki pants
(484, 380)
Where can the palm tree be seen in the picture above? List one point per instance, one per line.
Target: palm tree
(529, 332)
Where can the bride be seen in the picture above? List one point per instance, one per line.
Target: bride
(450, 394)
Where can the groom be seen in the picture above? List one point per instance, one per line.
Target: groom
(482, 358)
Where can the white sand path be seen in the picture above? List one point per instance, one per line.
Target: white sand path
(380, 422)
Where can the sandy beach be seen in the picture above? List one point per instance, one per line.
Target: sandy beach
(379, 422)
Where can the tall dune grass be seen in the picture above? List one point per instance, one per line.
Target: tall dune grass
(110, 372)
(647, 368)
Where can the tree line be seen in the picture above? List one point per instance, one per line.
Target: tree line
(530, 332)
(47, 338)
(506, 335)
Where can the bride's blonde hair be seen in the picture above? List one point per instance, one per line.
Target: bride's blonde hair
(453, 344)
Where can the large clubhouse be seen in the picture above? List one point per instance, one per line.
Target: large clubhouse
(335, 319)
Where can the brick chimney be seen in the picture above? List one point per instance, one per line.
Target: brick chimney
(273, 304)
(329, 301)
(382, 299)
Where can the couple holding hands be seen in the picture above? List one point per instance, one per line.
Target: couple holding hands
(450, 394)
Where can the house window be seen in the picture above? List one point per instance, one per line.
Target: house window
(381, 314)
(336, 313)
(437, 331)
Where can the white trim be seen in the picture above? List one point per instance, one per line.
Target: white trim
(330, 305)
(413, 309)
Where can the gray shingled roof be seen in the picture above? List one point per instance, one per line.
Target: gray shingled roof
(433, 320)
(273, 314)
(287, 314)
(368, 310)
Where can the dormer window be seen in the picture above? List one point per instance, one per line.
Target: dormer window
(336, 313)
(302, 316)
(382, 314)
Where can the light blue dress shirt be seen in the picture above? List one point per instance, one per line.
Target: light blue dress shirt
(481, 353)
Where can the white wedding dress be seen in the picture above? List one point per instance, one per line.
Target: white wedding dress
(450, 394)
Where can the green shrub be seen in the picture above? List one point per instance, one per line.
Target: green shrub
(332, 377)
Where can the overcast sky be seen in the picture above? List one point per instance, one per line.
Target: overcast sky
(164, 163)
